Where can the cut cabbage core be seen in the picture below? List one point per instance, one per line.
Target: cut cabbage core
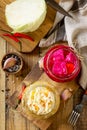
(25, 15)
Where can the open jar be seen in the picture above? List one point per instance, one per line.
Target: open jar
(61, 63)
(12, 63)
(40, 100)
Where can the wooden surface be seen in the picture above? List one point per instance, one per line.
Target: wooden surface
(38, 75)
(27, 45)
(13, 120)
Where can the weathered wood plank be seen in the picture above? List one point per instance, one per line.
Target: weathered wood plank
(14, 120)
(2, 86)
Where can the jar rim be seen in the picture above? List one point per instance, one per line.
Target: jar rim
(61, 78)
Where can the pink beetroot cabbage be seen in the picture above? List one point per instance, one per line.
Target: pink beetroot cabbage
(59, 68)
(58, 55)
(71, 58)
(63, 65)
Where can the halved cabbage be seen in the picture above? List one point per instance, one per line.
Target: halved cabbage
(25, 15)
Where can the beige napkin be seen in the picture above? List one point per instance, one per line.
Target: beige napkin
(76, 31)
(45, 42)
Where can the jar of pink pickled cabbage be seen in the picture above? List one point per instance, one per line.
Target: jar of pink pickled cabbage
(61, 63)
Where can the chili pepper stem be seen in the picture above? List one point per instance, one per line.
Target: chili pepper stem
(14, 38)
(5, 31)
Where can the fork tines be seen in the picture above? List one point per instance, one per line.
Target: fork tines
(73, 118)
(77, 110)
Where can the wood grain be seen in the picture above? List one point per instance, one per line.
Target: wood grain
(44, 124)
(13, 120)
(2, 87)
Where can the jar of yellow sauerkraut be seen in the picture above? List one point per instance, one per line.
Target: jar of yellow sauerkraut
(40, 100)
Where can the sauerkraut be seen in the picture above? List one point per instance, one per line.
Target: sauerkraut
(40, 100)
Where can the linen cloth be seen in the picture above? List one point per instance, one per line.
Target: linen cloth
(45, 42)
(76, 31)
(73, 30)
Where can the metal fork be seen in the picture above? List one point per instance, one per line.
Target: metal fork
(77, 110)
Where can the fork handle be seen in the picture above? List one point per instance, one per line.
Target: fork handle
(84, 98)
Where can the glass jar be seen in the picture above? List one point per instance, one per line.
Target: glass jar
(40, 100)
(61, 63)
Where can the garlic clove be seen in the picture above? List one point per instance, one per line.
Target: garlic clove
(66, 94)
(9, 63)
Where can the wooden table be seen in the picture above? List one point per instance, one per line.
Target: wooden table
(12, 120)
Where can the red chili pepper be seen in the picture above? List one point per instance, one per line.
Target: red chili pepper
(11, 36)
(21, 35)
(20, 95)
